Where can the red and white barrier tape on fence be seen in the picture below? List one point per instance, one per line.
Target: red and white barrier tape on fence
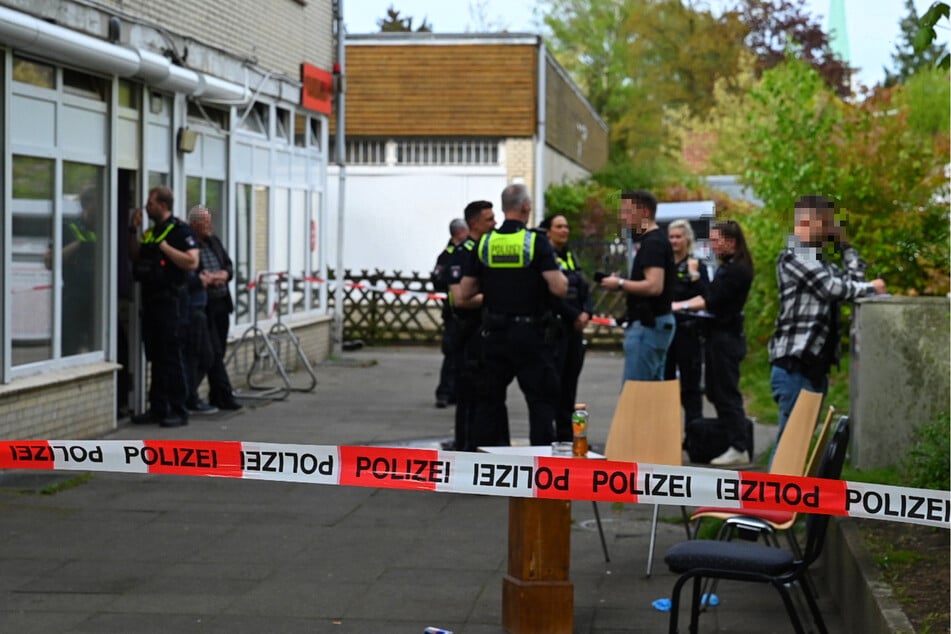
(485, 474)
(364, 287)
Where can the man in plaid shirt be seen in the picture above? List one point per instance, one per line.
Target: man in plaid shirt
(811, 288)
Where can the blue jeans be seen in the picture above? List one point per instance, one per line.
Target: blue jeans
(785, 386)
(645, 349)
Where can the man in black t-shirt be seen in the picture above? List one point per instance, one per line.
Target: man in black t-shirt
(650, 324)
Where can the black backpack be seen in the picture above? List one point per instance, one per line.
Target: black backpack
(706, 438)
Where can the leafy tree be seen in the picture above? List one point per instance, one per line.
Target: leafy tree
(636, 59)
(908, 57)
(926, 34)
(780, 26)
(393, 23)
(887, 179)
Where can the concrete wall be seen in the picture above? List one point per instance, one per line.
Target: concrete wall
(900, 374)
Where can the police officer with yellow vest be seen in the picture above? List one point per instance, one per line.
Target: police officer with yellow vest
(516, 272)
(161, 263)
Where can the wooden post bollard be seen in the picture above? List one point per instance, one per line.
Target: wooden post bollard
(537, 595)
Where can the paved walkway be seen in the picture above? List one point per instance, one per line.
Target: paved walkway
(130, 553)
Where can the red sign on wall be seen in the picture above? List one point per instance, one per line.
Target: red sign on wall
(317, 88)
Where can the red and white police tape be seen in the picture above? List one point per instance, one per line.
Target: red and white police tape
(486, 474)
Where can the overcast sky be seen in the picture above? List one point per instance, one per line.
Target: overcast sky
(872, 24)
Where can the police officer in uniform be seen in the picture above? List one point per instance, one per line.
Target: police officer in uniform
(516, 272)
(467, 343)
(573, 312)
(459, 234)
(161, 263)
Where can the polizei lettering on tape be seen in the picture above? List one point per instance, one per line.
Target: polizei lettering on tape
(51, 453)
(286, 462)
(633, 483)
(506, 476)
(767, 492)
(401, 469)
(899, 505)
(184, 457)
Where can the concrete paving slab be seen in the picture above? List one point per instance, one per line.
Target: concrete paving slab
(131, 553)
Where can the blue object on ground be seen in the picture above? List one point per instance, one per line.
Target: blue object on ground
(713, 601)
(663, 605)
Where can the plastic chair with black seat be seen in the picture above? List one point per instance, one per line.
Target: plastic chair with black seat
(701, 559)
(646, 428)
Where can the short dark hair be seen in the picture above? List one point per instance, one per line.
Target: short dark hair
(474, 210)
(163, 195)
(813, 201)
(642, 197)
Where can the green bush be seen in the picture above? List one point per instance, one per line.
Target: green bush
(928, 464)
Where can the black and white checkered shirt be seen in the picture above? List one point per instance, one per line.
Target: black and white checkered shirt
(810, 289)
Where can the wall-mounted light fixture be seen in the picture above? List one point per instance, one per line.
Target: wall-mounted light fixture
(186, 140)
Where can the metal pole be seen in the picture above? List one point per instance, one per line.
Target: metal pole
(341, 160)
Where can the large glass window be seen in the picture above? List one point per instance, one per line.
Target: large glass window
(242, 255)
(82, 258)
(32, 260)
(208, 193)
(297, 250)
(281, 232)
(35, 73)
(315, 253)
(261, 216)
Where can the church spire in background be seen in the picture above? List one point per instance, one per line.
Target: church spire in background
(838, 30)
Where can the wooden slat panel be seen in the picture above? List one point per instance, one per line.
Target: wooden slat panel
(563, 112)
(457, 90)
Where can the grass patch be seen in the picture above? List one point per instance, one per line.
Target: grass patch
(65, 485)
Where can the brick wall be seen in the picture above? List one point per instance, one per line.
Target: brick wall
(277, 34)
(520, 161)
(64, 404)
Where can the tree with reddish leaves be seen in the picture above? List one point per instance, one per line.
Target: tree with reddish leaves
(778, 26)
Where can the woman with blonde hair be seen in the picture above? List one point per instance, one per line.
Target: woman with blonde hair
(686, 350)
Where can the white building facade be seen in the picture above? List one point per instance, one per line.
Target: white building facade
(227, 104)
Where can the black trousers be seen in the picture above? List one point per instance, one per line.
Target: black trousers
(219, 385)
(569, 359)
(446, 389)
(198, 351)
(471, 386)
(518, 351)
(163, 326)
(724, 351)
(686, 354)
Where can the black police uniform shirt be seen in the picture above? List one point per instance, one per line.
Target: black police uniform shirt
(514, 291)
(454, 265)
(181, 237)
(578, 299)
(654, 252)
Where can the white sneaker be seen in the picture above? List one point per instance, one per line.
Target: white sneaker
(731, 457)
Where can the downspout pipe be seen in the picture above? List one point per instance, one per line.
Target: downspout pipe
(340, 69)
(539, 177)
(26, 33)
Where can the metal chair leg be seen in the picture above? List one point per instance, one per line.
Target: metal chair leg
(650, 550)
(604, 544)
